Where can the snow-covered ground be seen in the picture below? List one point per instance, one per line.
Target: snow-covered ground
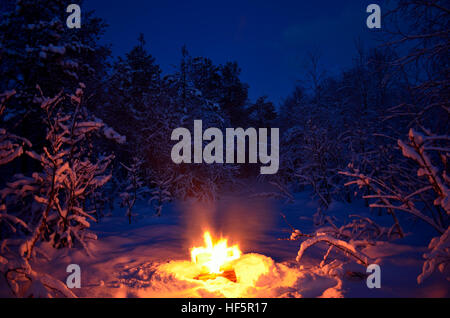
(150, 257)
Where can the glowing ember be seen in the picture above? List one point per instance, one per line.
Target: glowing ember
(215, 257)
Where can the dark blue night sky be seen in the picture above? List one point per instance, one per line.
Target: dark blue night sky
(269, 39)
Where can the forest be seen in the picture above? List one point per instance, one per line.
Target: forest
(86, 166)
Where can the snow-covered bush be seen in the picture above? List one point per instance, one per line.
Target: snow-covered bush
(11, 146)
(26, 282)
(430, 153)
(68, 175)
(56, 197)
(160, 193)
(340, 239)
(320, 161)
(18, 274)
(135, 188)
(437, 258)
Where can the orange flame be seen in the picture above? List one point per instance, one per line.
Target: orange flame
(215, 257)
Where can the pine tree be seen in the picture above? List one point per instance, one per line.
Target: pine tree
(133, 94)
(134, 186)
(262, 112)
(233, 94)
(37, 48)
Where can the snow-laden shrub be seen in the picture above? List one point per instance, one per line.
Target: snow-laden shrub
(68, 175)
(160, 194)
(430, 153)
(346, 239)
(134, 186)
(55, 203)
(21, 278)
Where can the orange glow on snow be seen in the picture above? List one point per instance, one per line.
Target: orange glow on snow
(214, 256)
(208, 272)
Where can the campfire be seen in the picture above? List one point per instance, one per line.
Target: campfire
(215, 258)
(219, 269)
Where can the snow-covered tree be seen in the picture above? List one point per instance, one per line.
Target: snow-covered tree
(336, 120)
(418, 182)
(133, 91)
(135, 188)
(11, 146)
(69, 178)
(37, 48)
(432, 189)
(160, 193)
(18, 273)
(262, 113)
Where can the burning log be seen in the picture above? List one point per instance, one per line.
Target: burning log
(230, 275)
